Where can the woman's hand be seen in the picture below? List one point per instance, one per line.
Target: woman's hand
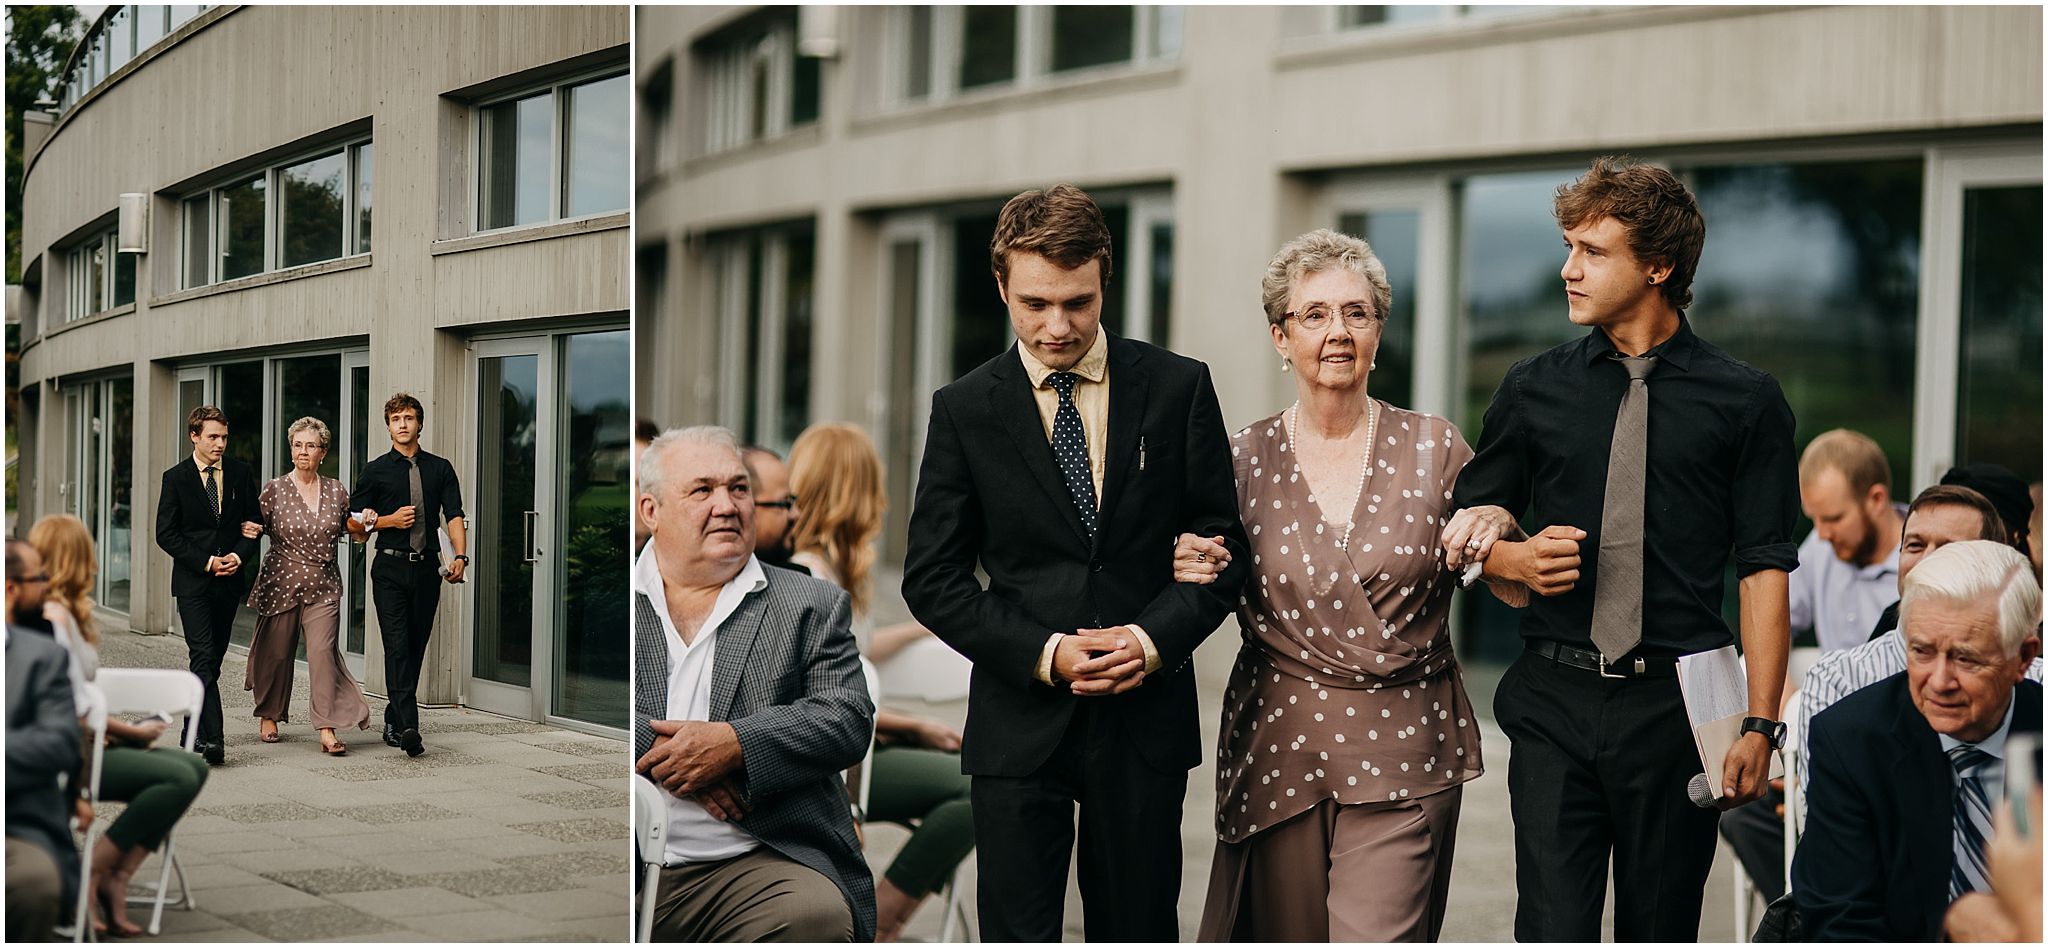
(82, 812)
(937, 736)
(1199, 560)
(252, 529)
(1471, 532)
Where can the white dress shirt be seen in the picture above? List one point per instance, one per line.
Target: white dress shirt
(694, 835)
(1841, 601)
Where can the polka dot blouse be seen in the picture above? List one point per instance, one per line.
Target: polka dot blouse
(1345, 688)
(300, 569)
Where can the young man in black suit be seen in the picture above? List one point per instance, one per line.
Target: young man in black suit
(407, 493)
(200, 510)
(1064, 468)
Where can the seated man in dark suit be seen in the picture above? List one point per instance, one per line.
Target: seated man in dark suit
(748, 702)
(1906, 771)
(42, 745)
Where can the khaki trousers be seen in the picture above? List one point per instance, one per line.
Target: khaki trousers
(757, 896)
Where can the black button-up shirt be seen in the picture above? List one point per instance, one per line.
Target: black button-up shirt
(1721, 478)
(386, 485)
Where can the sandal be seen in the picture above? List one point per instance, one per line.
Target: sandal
(336, 749)
(103, 925)
(270, 736)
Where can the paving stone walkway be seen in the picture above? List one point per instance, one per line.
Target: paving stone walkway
(503, 831)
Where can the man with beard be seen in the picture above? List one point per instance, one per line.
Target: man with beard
(1849, 565)
(42, 743)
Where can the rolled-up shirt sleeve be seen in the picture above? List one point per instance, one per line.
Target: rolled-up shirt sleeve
(1766, 489)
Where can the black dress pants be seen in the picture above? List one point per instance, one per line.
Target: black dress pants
(209, 620)
(1130, 861)
(1599, 766)
(407, 594)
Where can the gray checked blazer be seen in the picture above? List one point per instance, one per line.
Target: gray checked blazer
(787, 677)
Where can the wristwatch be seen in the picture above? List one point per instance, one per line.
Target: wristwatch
(1773, 731)
(465, 558)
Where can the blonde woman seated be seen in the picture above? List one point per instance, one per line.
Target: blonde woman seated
(1347, 736)
(298, 587)
(837, 479)
(158, 783)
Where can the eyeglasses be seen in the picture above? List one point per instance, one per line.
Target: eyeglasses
(37, 578)
(1355, 316)
(789, 504)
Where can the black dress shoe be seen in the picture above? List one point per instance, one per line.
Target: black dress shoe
(410, 740)
(215, 754)
(391, 736)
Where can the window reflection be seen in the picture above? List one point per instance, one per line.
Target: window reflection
(597, 119)
(310, 213)
(590, 663)
(1395, 237)
(1999, 399)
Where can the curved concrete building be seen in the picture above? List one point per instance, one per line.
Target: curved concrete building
(293, 211)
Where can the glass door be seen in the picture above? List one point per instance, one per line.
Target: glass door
(909, 363)
(507, 522)
(547, 526)
(1406, 221)
(352, 440)
(1978, 378)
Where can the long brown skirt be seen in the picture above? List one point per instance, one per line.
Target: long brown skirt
(336, 699)
(1363, 872)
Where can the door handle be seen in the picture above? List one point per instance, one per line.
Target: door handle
(533, 553)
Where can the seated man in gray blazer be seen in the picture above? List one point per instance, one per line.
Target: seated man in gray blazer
(42, 746)
(748, 703)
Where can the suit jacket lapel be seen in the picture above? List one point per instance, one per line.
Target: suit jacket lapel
(1010, 399)
(735, 643)
(1920, 772)
(1128, 383)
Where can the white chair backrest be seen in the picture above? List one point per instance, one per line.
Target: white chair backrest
(867, 762)
(141, 690)
(928, 670)
(650, 820)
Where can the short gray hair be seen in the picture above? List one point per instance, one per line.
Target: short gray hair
(309, 423)
(653, 466)
(1314, 252)
(1970, 571)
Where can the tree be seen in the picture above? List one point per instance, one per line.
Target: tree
(38, 41)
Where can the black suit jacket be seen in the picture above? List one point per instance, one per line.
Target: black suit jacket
(990, 495)
(1873, 864)
(187, 529)
(42, 745)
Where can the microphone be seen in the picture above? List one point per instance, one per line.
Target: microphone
(1701, 792)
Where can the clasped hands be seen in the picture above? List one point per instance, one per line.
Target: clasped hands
(699, 760)
(1547, 563)
(1099, 661)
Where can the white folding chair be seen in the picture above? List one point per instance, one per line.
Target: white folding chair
(650, 842)
(865, 777)
(1745, 890)
(1795, 800)
(95, 722)
(178, 693)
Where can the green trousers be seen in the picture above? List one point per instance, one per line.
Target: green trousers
(911, 783)
(158, 785)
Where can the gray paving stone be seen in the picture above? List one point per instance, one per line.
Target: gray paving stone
(407, 812)
(241, 842)
(600, 750)
(500, 727)
(327, 921)
(406, 905)
(442, 860)
(339, 880)
(266, 895)
(588, 773)
(375, 845)
(512, 880)
(511, 846)
(526, 811)
(315, 829)
(583, 799)
(569, 904)
(257, 813)
(581, 863)
(289, 860)
(577, 831)
(202, 878)
(462, 828)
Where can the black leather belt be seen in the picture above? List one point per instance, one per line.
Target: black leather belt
(408, 555)
(1638, 667)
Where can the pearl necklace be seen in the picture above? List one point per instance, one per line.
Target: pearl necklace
(1372, 429)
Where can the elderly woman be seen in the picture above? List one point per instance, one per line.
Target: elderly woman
(299, 587)
(1347, 735)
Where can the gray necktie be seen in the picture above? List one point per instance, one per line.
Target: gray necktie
(1972, 821)
(1618, 588)
(419, 502)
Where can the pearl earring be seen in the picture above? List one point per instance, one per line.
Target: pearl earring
(1286, 366)
(1375, 363)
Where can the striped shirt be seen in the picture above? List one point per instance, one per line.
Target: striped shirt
(1840, 674)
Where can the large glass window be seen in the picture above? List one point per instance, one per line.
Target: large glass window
(117, 541)
(755, 83)
(988, 50)
(944, 51)
(1084, 36)
(598, 154)
(590, 648)
(585, 123)
(322, 212)
(1999, 394)
(100, 277)
(310, 219)
(308, 387)
(764, 288)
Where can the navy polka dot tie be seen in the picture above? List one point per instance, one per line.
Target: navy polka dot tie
(1070, 449)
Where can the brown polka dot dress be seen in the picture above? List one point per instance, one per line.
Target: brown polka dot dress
(1345, 689)
(298, 590)
(300, 569)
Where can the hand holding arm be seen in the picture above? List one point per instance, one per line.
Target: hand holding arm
(1199, 560)
(1471, 533)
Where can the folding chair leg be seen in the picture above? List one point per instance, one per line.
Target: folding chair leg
(163, 883)
(652, 881)
(83, 918)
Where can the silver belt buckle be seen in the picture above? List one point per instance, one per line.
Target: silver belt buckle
(1639, 667)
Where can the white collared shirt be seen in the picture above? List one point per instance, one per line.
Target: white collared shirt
(1992, 775)
(1841, 601)
(694, 836)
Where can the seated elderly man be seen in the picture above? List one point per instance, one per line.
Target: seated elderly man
(42, 745)
(748, 702)
(1905, 771)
